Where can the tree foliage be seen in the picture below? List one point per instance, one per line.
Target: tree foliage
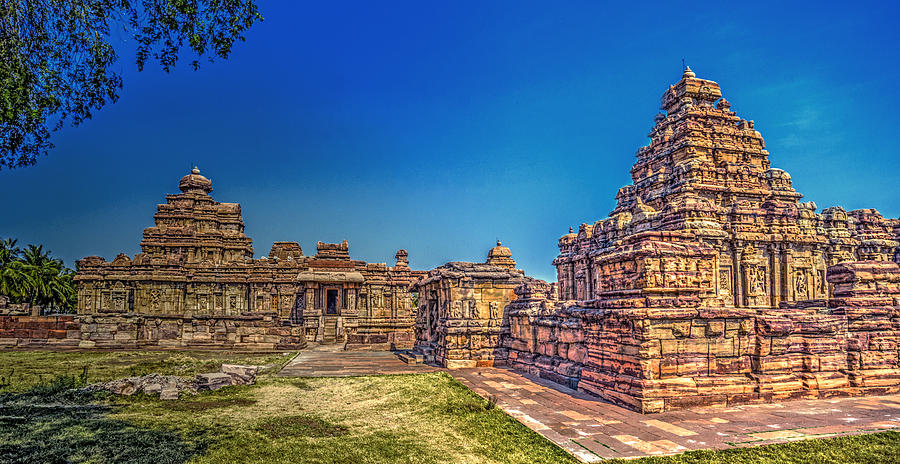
(33, 276)
(56, 59)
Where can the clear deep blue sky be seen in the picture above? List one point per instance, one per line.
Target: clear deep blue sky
(441, 126)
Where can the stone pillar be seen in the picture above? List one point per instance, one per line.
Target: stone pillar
(589, 277)
(775, 275)
(737, 278)
(788, 288)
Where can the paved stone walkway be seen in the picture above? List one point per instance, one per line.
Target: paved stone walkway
(333, 361)
(593, 430)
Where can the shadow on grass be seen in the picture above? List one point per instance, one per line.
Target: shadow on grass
(306, 425)
(54, 423)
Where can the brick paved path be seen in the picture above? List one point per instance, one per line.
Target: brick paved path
(592, 429)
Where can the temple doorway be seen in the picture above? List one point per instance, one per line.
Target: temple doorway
(331, 299)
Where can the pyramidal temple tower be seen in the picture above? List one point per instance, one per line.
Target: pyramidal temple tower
(707, 221)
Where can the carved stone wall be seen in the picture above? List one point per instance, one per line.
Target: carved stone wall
(545, 339)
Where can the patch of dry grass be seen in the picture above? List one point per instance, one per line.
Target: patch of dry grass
(20, 370)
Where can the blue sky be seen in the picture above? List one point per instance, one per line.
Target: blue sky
(439, 127)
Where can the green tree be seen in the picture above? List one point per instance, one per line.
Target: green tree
(56, 60)
(34, 276)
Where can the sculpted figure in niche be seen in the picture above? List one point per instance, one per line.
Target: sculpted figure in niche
(755, 280)
(456, 310)
(761, 280)
(725, 281)
(800, 284)
(494, 310)
(472, 312)
(232, 302)
(119, 301)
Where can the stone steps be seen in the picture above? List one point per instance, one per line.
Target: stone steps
(411, 357)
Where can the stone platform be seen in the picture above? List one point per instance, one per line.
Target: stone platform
(593, 430)
(333, 361)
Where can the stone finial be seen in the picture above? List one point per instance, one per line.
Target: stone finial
(688, 72)
(195, 183)
(402, 258)
(501, 256)
(570, 230)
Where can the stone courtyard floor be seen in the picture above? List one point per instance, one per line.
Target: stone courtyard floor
(333, 361)
(592, 429)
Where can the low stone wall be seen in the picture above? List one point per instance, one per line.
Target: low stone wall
(394, 340)
(39, 331)
(129, 331)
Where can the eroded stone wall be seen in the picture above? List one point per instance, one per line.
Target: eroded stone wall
(544, 340)
(129, 331)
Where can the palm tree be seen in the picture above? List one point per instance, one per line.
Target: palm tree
(34, 276)
(8, 251)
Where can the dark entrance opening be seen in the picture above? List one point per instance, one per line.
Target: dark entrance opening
(331, 299)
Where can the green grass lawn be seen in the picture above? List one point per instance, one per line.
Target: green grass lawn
(420, 418)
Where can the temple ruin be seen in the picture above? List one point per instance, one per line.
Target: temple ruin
(196, 283)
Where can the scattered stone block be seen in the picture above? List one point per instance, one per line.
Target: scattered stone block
(213, 381)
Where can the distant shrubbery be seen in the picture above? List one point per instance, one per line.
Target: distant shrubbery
(33, 276)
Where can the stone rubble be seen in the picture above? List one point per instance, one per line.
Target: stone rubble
(170, 387)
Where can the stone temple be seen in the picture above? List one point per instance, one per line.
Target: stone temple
(711, 283)
(195, 283)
